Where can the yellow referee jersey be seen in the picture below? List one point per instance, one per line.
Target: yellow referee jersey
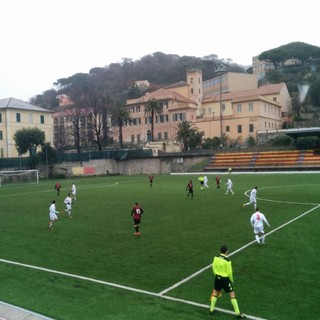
(222, 266)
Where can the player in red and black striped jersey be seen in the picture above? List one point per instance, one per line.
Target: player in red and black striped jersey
(218, 181)
(136, 212)
(189, 188)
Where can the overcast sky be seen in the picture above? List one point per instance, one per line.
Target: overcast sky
(45, 40)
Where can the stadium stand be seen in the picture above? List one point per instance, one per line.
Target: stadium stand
(265, 160)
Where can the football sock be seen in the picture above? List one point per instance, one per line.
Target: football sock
(213, 303)
(235, 305)
(257, 238)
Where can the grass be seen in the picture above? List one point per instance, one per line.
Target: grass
(179, 237)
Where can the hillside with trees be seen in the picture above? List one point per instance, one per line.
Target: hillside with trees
(298, 65)
(104, 90)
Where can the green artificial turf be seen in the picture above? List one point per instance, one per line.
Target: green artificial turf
(93, 267)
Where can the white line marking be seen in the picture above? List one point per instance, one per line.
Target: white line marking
(120, 286)
(236, 251)
(50, 190)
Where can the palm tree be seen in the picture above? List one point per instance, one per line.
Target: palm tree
(120, 117)
(185, 133)
(153, 108)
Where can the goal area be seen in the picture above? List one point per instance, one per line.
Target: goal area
(19, 176)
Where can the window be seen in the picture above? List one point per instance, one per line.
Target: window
(239, 128)
(0, 117)
(251, 127)
(30, 118)
(191, 80)
(223, 107)
(159, 136)
(138, 138)
(227, 128)
(179, 116)
(136, 121)
(42, 119)
(18, 117)
(191, 90)
(250, 107)
(209, 110)
(138, 108)
(148, 120)
(166, 135)
(1, 137)
(132, 138)
(238, 107)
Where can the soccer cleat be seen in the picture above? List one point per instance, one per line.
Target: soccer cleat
(240, 316)
(211, 312)
(244, 205)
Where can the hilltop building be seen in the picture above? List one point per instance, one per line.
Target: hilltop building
(230, 106)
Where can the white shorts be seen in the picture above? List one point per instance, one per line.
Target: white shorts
(253, 200)
(257, 230)
(53, 216)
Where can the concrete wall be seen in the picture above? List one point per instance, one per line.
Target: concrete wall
(156, 165)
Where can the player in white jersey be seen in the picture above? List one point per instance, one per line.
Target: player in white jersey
(257, 222)
(73, 191)
(205, 181)
(253, 198)
(229, 186)
(52, 214)
(68, 203)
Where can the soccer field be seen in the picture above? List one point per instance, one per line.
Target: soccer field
(93, 267)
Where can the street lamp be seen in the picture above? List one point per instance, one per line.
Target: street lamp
(221, 68)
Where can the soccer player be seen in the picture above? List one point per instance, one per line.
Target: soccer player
(68, 203)
(189, 188)
(73, 192)
(253, 198)
(205, 182)
(52, 214)
(151, 178)
(57, 187)
(136, 211)
(229, 186)
(257, 221)
(218, 181)
(223, 279)
(201, 180)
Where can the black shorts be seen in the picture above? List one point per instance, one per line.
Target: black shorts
(136, 222)
(222, 283)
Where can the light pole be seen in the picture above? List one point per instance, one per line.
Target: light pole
(221, 68)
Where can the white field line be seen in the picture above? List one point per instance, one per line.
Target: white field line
(236, 251)
(51, 190)
(161, 294)
(70, 275)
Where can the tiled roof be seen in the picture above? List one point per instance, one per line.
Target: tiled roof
(261, 91)
(161, 94)
(12, 103)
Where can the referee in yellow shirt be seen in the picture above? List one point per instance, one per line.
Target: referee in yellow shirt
(222, 270)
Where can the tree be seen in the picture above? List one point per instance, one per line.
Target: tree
(153, 108)
(119, 117)
(78, 88)
(188, 135)
(28, 140)
(296, 51)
